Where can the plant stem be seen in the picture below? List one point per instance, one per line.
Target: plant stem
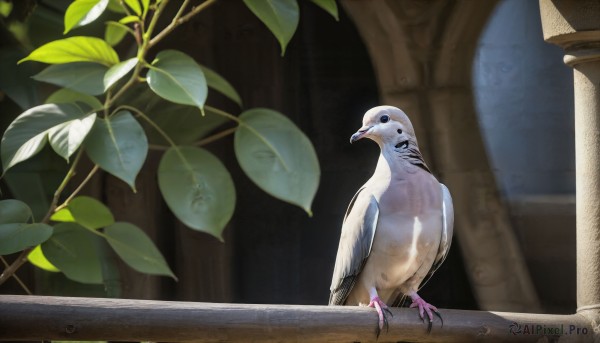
(216, 136)
(153, 124)
(62, 186)
(12, 269)
(224, 114)
(21, 283)
(79, 188)
(152, 25)
(178, 20)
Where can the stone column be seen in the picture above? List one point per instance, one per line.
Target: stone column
(575, 26)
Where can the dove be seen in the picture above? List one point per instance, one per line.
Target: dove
(398, 228)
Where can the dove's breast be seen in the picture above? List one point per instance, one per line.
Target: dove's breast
(407, 237)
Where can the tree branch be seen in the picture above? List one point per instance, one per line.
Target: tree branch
(178, 20)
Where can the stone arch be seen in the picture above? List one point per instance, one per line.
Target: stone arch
(422, 53)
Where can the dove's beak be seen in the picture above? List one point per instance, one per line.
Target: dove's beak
(360, 133)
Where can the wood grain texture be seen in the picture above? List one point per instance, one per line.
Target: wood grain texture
(37, 318)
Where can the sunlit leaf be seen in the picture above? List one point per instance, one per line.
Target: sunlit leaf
(66, 138)
(145, 6)
(277, 156)
(18, 236)
(90, 213)
(329, 6)
(136, 249)
(29, 132)
(115, 32)
(75, 49)
(115, 6)
(218, 83)
(118, 145)
(63, 215)
(129, 19)
(72, 250)
(37, 258)
(135, 6)
(83, 12)
(178, 78)
(197, 188)
(14, 211)
(116, 72)
(280, 16)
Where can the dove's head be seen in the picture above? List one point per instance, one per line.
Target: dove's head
(386, 125)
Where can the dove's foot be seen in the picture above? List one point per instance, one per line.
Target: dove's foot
(425, 307)
(381, 309)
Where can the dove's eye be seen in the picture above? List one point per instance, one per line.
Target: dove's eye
(384, 118)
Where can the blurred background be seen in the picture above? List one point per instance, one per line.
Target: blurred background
(478, 73)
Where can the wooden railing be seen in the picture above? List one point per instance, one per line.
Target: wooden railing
(62, 318)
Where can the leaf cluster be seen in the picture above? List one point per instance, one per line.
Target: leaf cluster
(114, 108)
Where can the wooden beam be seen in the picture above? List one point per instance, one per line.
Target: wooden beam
(62, 318)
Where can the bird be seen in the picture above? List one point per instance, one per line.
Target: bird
(397, 230)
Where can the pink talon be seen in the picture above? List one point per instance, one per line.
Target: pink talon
(380, 307)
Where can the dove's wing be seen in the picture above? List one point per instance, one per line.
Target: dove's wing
(447, 231)
(355, 245)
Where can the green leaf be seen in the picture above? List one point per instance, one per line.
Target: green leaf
(145, 6)
(37, 258)
(75, 49)
(277, 156)
(66, 138)
(16, 83)
(66, 124)
(18, 236)
(280, 16)
(5, 8)
(14, 211)
(197, 188)
(83, 12)
(129, 19)
(218, 83)
(35, 181)
(135, 6)
(63, 215)
(90, 213)
(115, 32)
(83, 77)
(178, 78)
(115, 6)
(72, 250)
(116, 72)
(329, 6)
(118, 145)
(65, 95)
(136, 249)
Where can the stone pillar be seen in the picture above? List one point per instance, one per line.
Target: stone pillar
(575, 26)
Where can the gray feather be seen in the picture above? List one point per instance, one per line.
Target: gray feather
(356, 241)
